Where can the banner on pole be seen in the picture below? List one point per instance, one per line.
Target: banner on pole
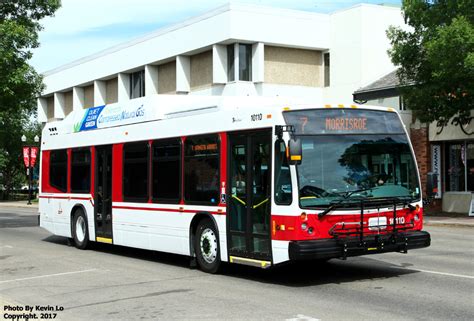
(26, 156)
(34, 154)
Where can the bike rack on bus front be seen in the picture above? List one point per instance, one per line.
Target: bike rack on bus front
(344, 230)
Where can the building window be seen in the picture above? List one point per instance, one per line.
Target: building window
(244, 58)
(459, 166)
(327, 65)
(470, 165)
(166, 169)
(80, 171)
(230, 62)
(201, 164)
(58, 169)
(137, 84)
(135, 172)
(402, 104)
(245, 62)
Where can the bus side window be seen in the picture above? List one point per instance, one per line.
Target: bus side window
(135, 172)
(201, 170)
(283, 188)
(58, 169)
(80, 171)
(166, 171)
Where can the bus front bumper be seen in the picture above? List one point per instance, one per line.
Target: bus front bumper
(354, 246)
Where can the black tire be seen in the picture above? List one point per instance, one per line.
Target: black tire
(80, 231)
(206, 246)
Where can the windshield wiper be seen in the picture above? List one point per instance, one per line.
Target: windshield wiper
(343, 200)
(404, 200)
(357, 191)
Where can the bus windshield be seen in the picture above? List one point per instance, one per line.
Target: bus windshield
(352, 154)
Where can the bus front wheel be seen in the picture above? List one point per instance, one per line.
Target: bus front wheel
(206, 247)
(80, 232)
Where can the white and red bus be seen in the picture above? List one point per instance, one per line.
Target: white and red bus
(250, 180)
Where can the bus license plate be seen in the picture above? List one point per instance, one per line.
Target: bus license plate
(376, 223)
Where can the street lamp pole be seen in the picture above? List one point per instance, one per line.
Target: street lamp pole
(30, 166)
(29, 177)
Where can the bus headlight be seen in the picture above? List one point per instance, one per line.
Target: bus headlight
(304, 226)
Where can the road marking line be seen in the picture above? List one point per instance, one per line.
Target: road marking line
(301, 317)
(436, 272)
(47, 276)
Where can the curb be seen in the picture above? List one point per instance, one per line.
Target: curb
(451, 224)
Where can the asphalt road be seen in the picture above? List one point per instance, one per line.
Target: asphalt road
(42, 271)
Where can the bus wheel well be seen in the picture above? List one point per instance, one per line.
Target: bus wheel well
(193, 227)
(73, 210)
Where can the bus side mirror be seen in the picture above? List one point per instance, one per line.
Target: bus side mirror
(295, 151)
(431, 185)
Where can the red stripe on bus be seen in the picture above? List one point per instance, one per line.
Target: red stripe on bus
(67, 197)
(68, 164)
(117, 175)
(163, 209)
(70, 198)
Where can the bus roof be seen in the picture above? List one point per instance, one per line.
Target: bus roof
(170, 107)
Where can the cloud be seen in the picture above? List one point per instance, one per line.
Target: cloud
(81, 28)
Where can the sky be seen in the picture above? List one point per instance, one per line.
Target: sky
(83, 27)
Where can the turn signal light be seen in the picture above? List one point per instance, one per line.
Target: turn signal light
(304, 216)
(417, 213)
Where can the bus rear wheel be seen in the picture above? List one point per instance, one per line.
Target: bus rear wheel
(206, 247)
(80, 232)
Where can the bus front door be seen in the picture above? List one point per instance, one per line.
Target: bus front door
(103, 194)
(248, 195)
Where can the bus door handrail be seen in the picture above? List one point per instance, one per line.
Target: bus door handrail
(239, 200)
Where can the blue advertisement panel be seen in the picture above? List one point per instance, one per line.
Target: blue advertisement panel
(90, 118)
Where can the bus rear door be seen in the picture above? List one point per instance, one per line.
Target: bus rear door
(103, 194)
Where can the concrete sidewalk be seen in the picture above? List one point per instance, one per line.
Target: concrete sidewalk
(464, 221)
(435, 220)
(18, 204)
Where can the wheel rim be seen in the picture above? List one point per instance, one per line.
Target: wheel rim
(208, 244)
(80, 229)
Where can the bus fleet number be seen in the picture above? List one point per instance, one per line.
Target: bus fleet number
(399, 220)
(256, 117)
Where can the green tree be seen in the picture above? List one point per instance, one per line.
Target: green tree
(20, 84)
(436, 59)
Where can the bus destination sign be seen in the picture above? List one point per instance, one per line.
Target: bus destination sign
(346, 123)
(343, 121)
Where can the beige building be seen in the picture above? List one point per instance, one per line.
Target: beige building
(233, 50)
